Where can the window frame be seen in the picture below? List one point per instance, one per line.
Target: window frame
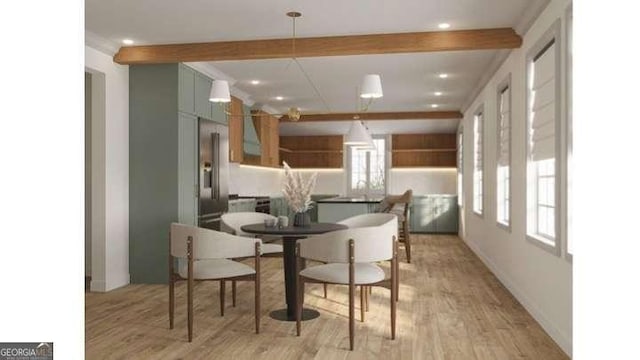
(502, 86)
(387, 159)
(479, 112)
(553, 34)
(568, 93)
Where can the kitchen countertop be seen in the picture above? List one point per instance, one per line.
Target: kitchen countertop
(235, 201)
(350, 200)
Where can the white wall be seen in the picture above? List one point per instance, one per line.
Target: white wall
(254, 180)
(423, 181)
(110, 171)
(249, 180)
(541, 281)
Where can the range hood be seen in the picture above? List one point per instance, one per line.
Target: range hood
(251, 144)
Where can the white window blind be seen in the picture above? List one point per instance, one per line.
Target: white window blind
(504, 156)
(543, 105)
(505, 126)
(478, 164)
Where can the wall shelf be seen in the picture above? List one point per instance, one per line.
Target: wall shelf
(312, 151)
(423, 150)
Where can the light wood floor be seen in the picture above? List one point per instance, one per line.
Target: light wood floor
(451, 307)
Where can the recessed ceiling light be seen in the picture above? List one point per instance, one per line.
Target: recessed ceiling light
(434, 105)
(438, 93)
(255, 82)
(127, 42)
(443, 76)
(444, 25)
(279, 98)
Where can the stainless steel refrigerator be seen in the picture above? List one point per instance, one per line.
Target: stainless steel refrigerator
(213, 177)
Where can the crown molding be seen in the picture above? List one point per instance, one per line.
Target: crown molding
(101, 44)
(269, 109)
(215, 73)
(529, 16)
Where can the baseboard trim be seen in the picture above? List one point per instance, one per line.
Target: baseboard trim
(97, 286)
(102, 286)
(558, 336)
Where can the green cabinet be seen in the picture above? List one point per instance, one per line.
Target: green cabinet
(434, 214)
(165, 101)
(187, 169)
(202, 103)
(186, 89)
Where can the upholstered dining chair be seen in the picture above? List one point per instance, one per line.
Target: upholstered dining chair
(359, 221)
(399, 205)
(204, 255)
(232, 223)
(350, 258)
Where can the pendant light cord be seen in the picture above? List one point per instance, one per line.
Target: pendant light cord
(306, 75)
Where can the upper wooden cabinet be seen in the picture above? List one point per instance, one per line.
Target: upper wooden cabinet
(236, 130)
(424, 150)
(268, 132)
(312, 151)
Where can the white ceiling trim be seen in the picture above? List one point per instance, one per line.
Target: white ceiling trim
(99, 43)
(529, 16)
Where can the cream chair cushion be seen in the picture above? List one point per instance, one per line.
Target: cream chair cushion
(338, 273)
(214, 269)
(232, 223)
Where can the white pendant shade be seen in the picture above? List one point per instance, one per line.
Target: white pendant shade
(370, 146)
(220, 92)
(357, 134)
(371, 87)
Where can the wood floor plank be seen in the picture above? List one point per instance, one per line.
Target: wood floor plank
(451, 307)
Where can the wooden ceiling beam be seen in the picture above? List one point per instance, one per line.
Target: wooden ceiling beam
(480, 39)
(405, 115)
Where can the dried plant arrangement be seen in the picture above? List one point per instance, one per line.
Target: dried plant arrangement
(296, 190)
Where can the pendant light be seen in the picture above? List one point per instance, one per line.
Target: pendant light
(219, 92)
(371, 87)
(357, 135)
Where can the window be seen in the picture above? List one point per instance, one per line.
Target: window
(368, 169)
(478, 163)
(460, 166)
(503, 207)
(543, 113)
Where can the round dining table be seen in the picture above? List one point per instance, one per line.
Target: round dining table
(290, 235)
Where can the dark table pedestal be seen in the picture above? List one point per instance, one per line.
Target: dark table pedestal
(290, 235)
(289, 260)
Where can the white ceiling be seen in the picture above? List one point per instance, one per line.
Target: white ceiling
(409, 80)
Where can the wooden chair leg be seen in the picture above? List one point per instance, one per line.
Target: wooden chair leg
(394, 290)
(325, 290)
(233, 293)
(256, 288)
(366, 297)
(257, 304)
(397, 284)
(407, 240)
(172, 298)
(351, 315)
(222, 286)
(363, 289)
(190, 308)
(299, 305)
